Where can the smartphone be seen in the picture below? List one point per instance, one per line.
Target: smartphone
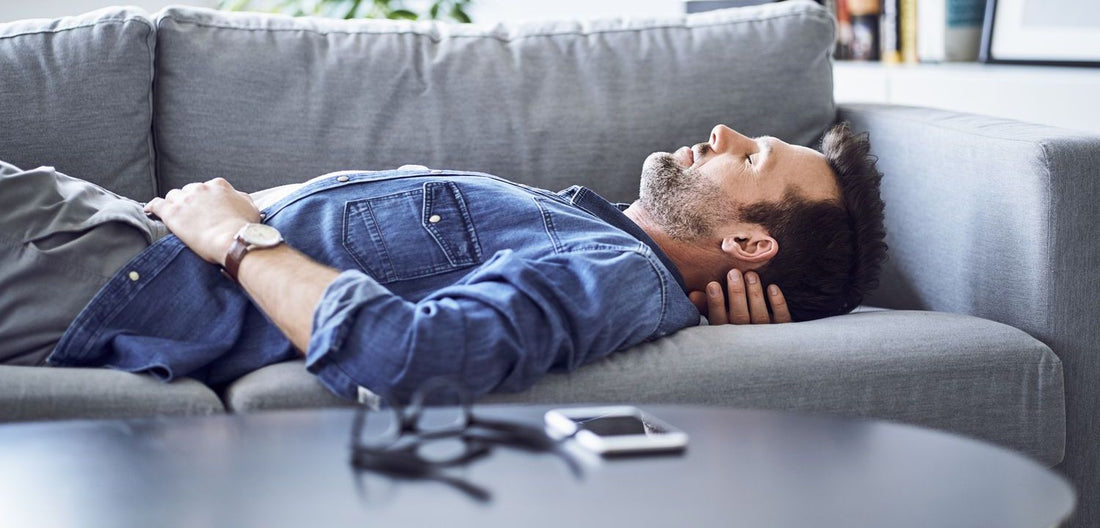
(616, 430)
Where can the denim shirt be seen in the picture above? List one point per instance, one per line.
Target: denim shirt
(445, 273)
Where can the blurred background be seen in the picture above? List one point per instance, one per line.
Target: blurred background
(480, 11)
(1032, 60)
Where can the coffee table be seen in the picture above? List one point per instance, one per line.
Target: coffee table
(742, 468)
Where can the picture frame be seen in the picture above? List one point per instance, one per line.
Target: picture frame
(1049, 32)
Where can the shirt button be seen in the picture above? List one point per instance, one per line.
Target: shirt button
(434, 219)
(263, 215)
(342, 179)
(134, 276)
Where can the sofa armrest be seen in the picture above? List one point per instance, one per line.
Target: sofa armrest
(985, 216)
(998, 219)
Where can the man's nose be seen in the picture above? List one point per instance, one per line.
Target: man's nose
(724, 138)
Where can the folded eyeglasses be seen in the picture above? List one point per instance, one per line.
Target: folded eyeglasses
(418, 441)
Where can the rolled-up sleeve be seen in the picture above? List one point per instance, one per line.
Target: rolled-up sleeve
(502, 327)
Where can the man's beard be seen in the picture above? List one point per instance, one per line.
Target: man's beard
(681, 202)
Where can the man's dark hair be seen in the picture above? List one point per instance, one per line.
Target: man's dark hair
(830, 253)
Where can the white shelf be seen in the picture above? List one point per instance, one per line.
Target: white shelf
(1059, 96)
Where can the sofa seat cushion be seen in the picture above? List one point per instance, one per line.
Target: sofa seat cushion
(43, 393)
(264, 99)
(76, 93)
(946, 371)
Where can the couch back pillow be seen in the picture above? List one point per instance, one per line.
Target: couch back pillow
(264, 99)
(76, 94)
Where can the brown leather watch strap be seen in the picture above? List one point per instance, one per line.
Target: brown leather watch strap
(237, 250)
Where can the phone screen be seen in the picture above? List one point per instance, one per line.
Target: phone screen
(618, 426)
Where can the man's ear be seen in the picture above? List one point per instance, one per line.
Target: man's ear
(750, 243)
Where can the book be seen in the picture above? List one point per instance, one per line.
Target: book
(907, 30)
(842, 50)
(890, 32)
(864, 19)
(949, 30)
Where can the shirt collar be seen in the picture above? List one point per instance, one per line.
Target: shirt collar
(612, 213)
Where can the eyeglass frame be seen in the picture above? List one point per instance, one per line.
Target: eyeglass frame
(478, 434)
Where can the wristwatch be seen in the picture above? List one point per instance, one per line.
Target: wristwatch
(250, 237)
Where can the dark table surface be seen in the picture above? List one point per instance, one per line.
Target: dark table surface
(741, 468)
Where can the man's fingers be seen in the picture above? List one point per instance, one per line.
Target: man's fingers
(758, 309)
(716, 305)
(699, 299)
(739, 306)
(780, 312)
(745, 301)
(221, 182)
(153, 205)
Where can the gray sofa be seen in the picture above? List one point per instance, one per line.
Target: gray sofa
(989, 292)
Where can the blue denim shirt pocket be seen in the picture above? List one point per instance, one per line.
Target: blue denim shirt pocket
(378, 235)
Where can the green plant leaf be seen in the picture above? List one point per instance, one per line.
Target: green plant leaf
(458, 14)
(402, 14)
(352, 11)
(433, 13)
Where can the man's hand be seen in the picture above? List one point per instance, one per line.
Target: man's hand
(746, 303)
(205, 216)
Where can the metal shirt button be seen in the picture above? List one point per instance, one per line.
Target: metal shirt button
(263, 215)
(434, 219)
(134, 276)
(342, 179)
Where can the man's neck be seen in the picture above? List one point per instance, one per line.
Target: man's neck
(696, 263)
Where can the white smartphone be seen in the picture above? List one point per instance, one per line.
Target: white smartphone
(616, 430)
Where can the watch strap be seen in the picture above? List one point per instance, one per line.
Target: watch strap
(237, 250)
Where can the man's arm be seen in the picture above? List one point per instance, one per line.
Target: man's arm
(285, 284)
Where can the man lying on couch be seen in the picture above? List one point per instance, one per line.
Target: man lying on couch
(382, 280)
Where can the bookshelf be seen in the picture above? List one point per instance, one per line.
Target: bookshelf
(1059, 96)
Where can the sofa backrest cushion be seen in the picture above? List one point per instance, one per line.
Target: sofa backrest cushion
(76, 94)
(264, 99)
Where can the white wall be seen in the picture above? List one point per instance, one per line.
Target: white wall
(482, 11)
(1063, 97)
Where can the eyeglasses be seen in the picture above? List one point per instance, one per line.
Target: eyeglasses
(418, 441)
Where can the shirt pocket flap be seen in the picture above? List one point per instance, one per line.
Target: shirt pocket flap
(412, 234)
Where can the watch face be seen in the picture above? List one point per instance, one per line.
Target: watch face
(261, 235)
